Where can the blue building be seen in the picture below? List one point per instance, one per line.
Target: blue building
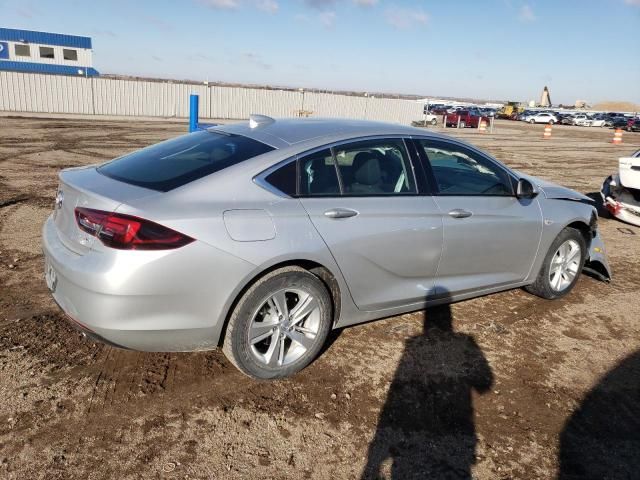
(42, 52)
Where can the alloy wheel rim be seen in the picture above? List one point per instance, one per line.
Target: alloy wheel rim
(564, 265)
(284, 327)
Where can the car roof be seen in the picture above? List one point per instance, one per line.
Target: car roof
(281, 133)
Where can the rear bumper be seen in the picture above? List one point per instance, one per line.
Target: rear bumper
(171, 300)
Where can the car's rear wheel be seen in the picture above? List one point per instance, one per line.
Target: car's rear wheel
(279, 325)
(434, 121)
(561, 267)
(532, 121)
(463, 124)
(551, 122)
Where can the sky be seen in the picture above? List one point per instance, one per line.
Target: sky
(484, 49)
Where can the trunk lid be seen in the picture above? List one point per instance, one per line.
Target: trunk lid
(85, 187)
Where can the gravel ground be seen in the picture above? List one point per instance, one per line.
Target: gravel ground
(500, 387)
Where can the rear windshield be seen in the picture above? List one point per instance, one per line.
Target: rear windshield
(176, 162)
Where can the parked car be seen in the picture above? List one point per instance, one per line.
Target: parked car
(465, 118)
(428, 119)
(633, 125)
(439, 110)
(567, 120)
(524, 114)
(598, 120)
(542, 117)
(582, 120)
(263, 236)
(621, 191)
(617, 122)
(489, 112)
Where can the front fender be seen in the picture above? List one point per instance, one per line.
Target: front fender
(597, 263)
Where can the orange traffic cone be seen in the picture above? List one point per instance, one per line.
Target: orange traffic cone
(617, 137)
(547, 133)
(482, 126)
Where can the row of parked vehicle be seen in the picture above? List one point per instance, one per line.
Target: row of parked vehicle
(437, 109)
(471, 116)
(609, 120)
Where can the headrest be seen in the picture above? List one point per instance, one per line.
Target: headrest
(367, 170)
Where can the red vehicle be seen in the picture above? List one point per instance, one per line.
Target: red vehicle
(468, 118)
(633, 125)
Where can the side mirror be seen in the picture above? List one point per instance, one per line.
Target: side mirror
(526, 189)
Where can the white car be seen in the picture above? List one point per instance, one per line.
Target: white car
(597, 122)
(583, 120)
(430, 119)
(542, 117)
(621, 191)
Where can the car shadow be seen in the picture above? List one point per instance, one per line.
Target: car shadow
(426, 427)
(602, 437)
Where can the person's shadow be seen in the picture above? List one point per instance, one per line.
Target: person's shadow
(601, 440)
(426, 427)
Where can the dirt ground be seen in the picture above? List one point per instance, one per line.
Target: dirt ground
(504, 386)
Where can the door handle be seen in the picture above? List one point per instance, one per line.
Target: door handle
(340, 213)
(460, 213)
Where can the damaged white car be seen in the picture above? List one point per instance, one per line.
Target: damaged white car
(621, 191)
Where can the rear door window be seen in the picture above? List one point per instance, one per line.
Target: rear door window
(375, 167)
(318, 176)
(182, 160)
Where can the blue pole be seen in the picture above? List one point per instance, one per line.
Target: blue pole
(193, 113)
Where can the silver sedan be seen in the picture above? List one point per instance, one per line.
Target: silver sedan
(261, 237)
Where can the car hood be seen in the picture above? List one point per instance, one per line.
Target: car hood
(554, 191)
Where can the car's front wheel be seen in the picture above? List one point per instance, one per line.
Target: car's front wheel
(561, 267)
(279, 325)
(532, 121)
(433, 121)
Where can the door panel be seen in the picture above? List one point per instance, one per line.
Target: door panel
(389, 252)
(490, 237)
(496, 245)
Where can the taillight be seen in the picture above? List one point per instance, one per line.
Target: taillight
(126, 232)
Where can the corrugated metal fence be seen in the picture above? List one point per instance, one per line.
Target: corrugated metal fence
(27, 92)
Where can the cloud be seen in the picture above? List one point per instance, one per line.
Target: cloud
(320, 4)
(26, 12)
(158, 23)
(526, 14)
(255, 59)
(365, 3)
(156, 58)
(200, 57)
(269, 6)
(634, 3)
(327, 19)
(221, 4)
(404, 18)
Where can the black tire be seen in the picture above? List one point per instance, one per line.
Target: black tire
(532, 121)
(542, 286)
(551, 122)
(434, 121)
(236, 341)
(463, 124)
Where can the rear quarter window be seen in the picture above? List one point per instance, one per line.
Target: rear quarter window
(182, 160)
